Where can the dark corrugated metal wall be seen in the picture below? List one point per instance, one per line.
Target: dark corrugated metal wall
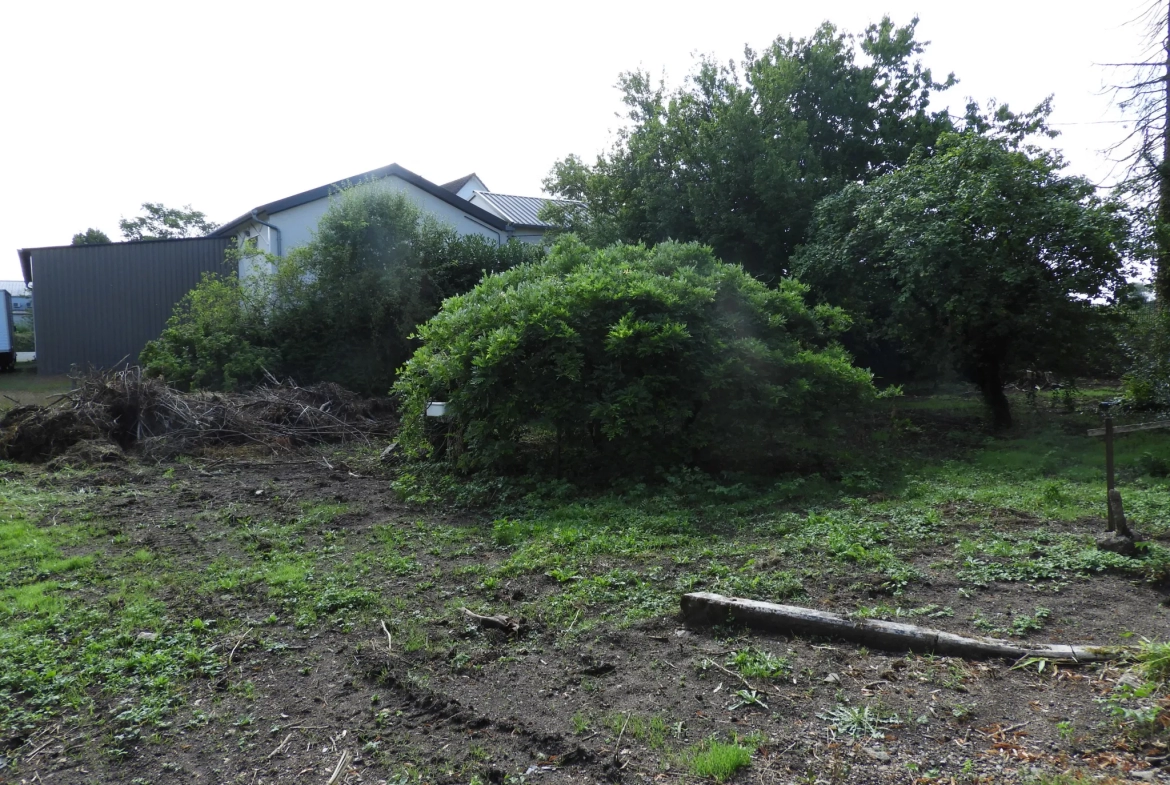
(98, 305)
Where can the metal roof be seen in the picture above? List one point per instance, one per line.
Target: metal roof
(26, 254)
(15, 288)
(521, 210)
(324, 191)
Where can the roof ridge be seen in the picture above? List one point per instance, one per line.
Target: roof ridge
(323, 191)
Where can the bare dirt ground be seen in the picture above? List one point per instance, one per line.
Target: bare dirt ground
(335, 697)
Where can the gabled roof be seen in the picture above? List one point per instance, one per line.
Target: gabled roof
(455, 186)
(393, 170)
(522, 210)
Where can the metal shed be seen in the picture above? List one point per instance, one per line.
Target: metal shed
(98, 305)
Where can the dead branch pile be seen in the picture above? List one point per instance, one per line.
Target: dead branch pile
(136, 411)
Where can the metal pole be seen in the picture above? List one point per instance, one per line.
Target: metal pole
(1109, 481)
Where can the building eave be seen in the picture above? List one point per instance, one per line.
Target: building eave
(325, 191)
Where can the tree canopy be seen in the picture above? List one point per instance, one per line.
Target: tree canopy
(164, 223)
(737, 157)
(90, 237)
(981, 255)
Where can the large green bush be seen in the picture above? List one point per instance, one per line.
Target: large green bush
(341, 308)
(214, 339)
(629, 358)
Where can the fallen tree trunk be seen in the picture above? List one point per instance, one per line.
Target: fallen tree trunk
(707, 608)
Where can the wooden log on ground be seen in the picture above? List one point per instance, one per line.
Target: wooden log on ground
(505, 623)
(708, 608)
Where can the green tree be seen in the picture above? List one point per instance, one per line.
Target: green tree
(90, 237)
(164, 223)
(346, 305)
(627, 359)
(341, 308)
(214, 339)
(738, 156)
(980, 255)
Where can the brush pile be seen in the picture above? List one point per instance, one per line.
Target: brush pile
(133, 411)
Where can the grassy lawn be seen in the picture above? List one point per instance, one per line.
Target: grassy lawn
(251, 619)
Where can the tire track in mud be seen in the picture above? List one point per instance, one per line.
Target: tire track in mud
(444, 710)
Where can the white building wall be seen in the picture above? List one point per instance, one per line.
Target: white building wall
(484, 204)
(298, 224)
(470, 187)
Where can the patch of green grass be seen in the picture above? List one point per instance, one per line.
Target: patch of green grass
(718, 760)
(651, 731)
(580, 723)
(96, 629)
(758, 664)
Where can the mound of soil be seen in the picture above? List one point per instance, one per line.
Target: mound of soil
(35, 434)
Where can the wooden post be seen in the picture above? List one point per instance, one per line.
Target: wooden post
(1109, 482)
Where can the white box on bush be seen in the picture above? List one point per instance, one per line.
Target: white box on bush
(436, 408)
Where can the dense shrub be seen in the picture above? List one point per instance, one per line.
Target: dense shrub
(341, 308)
(215, 339)
(22, 338)
(632, 358)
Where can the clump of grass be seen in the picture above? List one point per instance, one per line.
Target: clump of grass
(718, 760)
(649, 730)
(757, 664)
(580, 724)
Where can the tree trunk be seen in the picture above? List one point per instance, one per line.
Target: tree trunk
(989, 377)
(706, 608)
(1162, 220)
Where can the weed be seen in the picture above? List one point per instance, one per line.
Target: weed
(1155, 660)
(1020, 625)
(748, 698)
(857, 721)
(757, 664)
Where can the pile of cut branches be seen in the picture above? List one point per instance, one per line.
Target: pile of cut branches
(133, 410)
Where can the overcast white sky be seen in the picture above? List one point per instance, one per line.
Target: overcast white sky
(225, 106)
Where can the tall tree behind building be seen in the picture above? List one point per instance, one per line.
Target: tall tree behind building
(737, 157)
(1145, 151)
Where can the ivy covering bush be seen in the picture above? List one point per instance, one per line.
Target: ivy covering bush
(630, 357)
(341, 308)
